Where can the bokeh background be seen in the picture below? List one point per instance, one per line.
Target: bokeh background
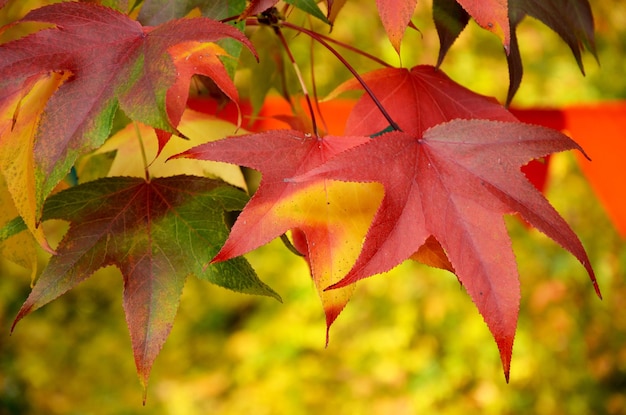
(410, 341)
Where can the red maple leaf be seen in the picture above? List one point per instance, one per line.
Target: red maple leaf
(455, 183)
(114, 61)
(416, 99)
(315, 208)
(420, 98)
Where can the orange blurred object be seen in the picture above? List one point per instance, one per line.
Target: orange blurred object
(600, 129)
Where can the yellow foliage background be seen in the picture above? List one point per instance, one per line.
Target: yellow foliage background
(409, 342)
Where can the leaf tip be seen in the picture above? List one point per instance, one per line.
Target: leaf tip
(144, 396)
(596, 287)
(505, 346)
(22, 313)
(331, 315)
(184, 154)
(269, 292)
(144, 375)
(26, 309)
(592, 276)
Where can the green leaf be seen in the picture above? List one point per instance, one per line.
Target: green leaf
(11, 228)
(157, 233)
(311, 7)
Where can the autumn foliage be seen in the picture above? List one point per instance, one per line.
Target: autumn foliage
(96, 130)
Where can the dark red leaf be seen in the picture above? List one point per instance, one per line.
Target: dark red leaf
(450, 20)
(572, 20)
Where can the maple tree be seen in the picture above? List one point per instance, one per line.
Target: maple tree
(425, 168)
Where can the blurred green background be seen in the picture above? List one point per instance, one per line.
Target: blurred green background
(410, 341)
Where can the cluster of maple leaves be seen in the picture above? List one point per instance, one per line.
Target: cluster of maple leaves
(425, 169)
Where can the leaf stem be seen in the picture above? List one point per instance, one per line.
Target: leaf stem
(349, 47)
(334, 51)
(300, 79)
(314, 86)
(143, 152)
(285, 239)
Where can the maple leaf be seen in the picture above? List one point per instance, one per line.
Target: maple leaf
(396, 15)
(157, 233)
(333, 216)
(455, 183)
(416, 99)
(113, 61)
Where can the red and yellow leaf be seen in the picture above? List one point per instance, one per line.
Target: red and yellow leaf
(333, 217)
